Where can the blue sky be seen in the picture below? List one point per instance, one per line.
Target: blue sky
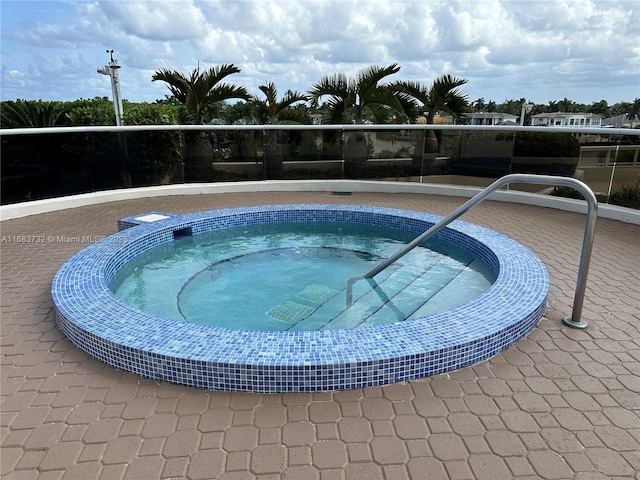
(584, 50)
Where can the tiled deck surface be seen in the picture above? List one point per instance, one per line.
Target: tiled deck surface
(561, 404)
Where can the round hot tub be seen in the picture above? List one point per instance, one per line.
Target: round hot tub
(247, 359)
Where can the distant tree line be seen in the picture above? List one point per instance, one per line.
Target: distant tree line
(204, 96)
(167, 111)
(601, 107)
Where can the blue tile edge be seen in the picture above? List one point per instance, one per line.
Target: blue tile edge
(227, 359)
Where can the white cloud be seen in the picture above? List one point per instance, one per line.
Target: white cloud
(156, 20)
(542, 50)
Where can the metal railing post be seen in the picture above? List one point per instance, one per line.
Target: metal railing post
(575, 320)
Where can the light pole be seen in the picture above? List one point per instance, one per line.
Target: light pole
(112, 71)
(526, 108)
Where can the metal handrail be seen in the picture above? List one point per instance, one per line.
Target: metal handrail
(575, 319)
(331, 127)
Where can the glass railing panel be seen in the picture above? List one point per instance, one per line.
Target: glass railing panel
(624, 189)
(39, 166)
(597, 157)
(312, 154)
(381, 155)
(149, 157)
(484, 153)
(466, 157)
(109, 160)
(600, 156)
(544, 153)
(48, 163)
(224, 155)
(356, 152)
(104, 164)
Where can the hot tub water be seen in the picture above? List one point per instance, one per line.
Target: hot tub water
(293, 277)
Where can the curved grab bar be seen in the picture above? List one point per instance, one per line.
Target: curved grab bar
(575, 320)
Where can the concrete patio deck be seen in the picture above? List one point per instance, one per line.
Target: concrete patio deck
(560, 404)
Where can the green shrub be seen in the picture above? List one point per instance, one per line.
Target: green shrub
(542, 144)
(627, 196)
(96, 111)
(567, 192)
(558, 153)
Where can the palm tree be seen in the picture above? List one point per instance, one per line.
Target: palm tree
(565, 105)
(359, 100)
(270, 111)
(200, 93)
(479, 105)
(443, 95)
(28, 114)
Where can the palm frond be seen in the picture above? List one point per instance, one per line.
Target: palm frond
(447, 86)
(227, 91)
(369, 77)
(443, 94)
(294, 116)
(378, 113)
(335, 111)
(216, 74)
(409, 106)
(292, 97)
(333, 85)
(414, 89)
(384, 96)
(270, 92)
(367, 95)
(177, 83)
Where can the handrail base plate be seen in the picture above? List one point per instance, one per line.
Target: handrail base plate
(581, 324)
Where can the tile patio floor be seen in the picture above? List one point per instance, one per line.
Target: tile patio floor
(560, 404)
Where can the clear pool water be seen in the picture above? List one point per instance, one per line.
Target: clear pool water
(292, 276)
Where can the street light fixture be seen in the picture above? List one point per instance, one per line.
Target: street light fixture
(112, 71)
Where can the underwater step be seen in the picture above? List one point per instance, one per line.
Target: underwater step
(336, 305)
(372, 295)
(316, 293)
(396, 299)
(420, 293)
(292, 311)
(470, 283)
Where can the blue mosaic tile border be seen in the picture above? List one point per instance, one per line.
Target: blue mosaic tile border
(262, 361)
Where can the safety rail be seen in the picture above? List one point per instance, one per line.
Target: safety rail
(575, 319)
(611, 132)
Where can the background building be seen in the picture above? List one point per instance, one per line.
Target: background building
(491, 118)
(566, 119)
